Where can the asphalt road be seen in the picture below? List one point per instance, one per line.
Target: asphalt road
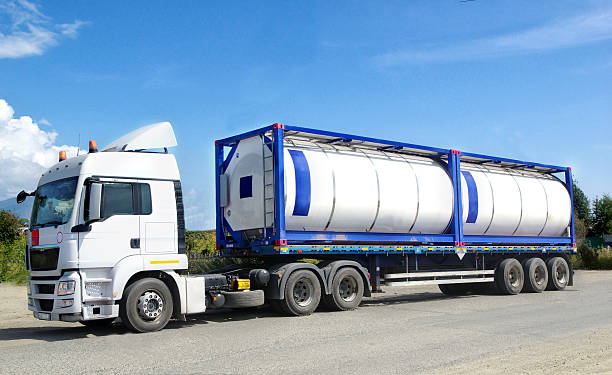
(405, 330)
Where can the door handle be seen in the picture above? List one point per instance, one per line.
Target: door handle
(135, 243)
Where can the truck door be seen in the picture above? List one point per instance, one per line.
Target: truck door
(158, 228)
(117, 234)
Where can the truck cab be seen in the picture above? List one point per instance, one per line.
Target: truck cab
(102, 221)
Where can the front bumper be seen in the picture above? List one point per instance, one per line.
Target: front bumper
(45, 304)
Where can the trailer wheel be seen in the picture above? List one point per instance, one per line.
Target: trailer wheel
(243, 299)
(346, 290)
(302, 293)
(146, 305)
(509, 276)
(558, 273)
(536, 275)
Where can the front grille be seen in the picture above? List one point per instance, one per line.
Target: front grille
(46, 288)
(45, 304)
(44, 258)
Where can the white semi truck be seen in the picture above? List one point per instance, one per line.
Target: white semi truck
(107, 231)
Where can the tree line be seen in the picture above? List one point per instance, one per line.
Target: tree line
(592, 219)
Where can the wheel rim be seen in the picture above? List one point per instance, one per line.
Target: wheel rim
(514, 277)
(561, 274)
(540, 275)
(150, 305)
(303, 292)
(348, 288)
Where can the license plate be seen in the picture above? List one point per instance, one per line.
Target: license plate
(44, 316)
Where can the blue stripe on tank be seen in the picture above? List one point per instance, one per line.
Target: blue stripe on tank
(472, 197)
(302, 183)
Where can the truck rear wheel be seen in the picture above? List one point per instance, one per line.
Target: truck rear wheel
(146, 305)
(558, 273)
(346, 290)
(536, 275)
(509, 276)
(302, 293)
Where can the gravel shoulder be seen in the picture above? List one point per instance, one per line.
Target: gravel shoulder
(405, 330)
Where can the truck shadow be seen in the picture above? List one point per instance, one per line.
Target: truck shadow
(24, 335)
(27, 335)
(392, 299)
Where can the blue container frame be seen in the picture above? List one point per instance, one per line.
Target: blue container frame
(280, 236)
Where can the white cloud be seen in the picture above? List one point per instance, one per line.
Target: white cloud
(25, 151)
(71, 30)
(44, 121)
(31, 32)
(576, 31)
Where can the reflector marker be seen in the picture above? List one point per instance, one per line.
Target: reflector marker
(163, 261)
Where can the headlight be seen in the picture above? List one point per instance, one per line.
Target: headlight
(65, 287)
(29, 288)
(66, 302)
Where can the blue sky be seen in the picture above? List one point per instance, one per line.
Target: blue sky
(521, 79)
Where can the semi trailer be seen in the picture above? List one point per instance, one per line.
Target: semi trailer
(107, 233)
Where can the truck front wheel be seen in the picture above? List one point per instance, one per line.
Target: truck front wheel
(302, 293)
(146, 305)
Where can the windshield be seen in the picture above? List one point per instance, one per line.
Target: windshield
(53, 202)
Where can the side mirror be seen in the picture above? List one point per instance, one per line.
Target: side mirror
(22, 196)
(94, 203)
(92, 211)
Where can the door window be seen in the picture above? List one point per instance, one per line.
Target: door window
(126, 199)
(117, 200)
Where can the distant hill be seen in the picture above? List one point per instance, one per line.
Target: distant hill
(20, 210)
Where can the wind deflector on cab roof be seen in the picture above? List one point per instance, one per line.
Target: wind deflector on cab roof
(158, 135)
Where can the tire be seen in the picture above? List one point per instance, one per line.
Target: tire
(302, 293)
(454, 289)
(558, 273)
(243, 299)
(98, 323)
(150, 297)
(536, 275)
(346, 290)
(509, 276)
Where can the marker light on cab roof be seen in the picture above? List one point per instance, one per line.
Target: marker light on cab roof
(93, 146)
